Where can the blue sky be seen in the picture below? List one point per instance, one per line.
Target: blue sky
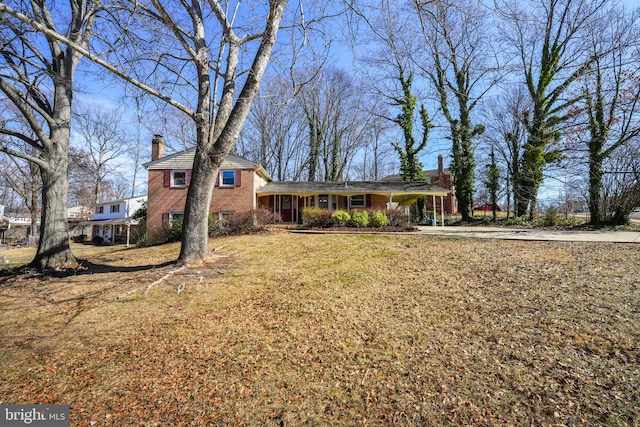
(102, 91)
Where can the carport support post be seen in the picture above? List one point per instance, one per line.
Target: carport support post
(442, 209)
(435, 211)
(128, 233)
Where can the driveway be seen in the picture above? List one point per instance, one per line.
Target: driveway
(482, 232)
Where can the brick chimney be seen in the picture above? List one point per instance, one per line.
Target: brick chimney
(157, 147)
(440, 165)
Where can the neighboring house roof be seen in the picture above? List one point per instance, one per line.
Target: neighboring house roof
(116, 221)
(184, 160)
(79, 212)
(401, 192)
(21, 218)
(113, 202)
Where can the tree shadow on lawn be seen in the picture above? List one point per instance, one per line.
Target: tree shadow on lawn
(8, 277)
(27, 289)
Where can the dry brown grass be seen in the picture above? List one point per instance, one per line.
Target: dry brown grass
(290, 329)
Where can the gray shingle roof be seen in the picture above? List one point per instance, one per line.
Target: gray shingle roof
(184, 160)
(351, 188)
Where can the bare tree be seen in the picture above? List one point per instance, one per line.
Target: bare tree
(273, 136)
(506, 134)
(101, 137)
(186, 52)
(391, 62)
(335, 120)
(459, 65)
(548, 39)
(81, 190)
(621, 182)
(612, 105)
(38, 79)
(23, 178)
(376, 156)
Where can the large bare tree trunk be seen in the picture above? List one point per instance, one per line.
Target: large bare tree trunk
(215, 140)
(195, 238)
(37, 78)
(53, 248)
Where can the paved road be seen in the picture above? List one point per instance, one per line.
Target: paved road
(482, 232)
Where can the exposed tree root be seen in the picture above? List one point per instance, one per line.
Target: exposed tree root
(160, 280)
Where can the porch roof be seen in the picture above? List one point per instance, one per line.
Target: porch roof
(401, 192)
(114, 221)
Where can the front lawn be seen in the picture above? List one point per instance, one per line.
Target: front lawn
(292, 329)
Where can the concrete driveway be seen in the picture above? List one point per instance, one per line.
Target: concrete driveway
(482, 232)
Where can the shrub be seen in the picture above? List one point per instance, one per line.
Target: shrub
(397, 218)
(340, 218)
(219, 227)
(174, 232)
(551, 217)
(316, 217)
(79, 238)
(378, 219)
(360, 219)
(245, 222)
(97, 240)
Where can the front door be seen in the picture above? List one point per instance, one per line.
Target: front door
(286, 209)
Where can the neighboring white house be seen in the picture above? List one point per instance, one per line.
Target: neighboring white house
(112, 220)
(15, 228)
(79, 212)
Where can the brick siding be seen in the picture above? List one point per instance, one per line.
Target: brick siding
(163, 200)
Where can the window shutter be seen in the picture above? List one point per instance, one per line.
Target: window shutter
(218, 180)
(167, 178)
(368, 200)
(165, 219)
(238, 177)
(187, 177)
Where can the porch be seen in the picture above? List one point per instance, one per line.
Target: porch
(289, 199)
(112, 230)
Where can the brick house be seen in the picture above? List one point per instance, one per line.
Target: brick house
(242, 185)
(443, 178)
(169, 178)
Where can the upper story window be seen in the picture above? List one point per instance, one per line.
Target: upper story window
(99, 209)
(114, 208)
(228, 178)
(358, 201)
(178, 178)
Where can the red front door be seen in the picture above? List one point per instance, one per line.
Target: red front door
(286, 208)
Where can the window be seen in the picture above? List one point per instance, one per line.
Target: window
(358, 201)
(178, 178)
(226, 214)
(228, 178)
(115, 208)
(175, 216)
(323, 201)
(99, 209)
